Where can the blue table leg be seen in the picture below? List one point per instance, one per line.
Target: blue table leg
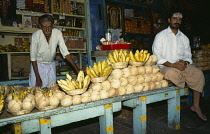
(174, 110)
(45, 126)
(139, 116)
(106, 120)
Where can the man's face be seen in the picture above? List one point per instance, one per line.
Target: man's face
(46, 26)
(175, 21)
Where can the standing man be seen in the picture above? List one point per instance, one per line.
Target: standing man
(174, 57)
(43, 51)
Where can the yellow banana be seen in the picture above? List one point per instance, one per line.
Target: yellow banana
(103, 72)
(145, 51)
(136, 55)
(80, 85)
(70, 84)
(147, 57)
(86, 81)
(93, 73)
(95, 68)
(111, 58)
(120, 57)
(68, 76)
(80, 76)
(1, 105)
(109, 70)
(88, 70)
(115, 55)
(141, 55)
(125, 52)
(127, 58)
(89, 73)
(116, 52)
(63, 82)
(64, 87)
(76, 85)
(132, 56)
(105, 64)
(123, 57)
(99, 67)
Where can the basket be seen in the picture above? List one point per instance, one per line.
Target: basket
(119, 65)
(45, 108)
(99, 79)
(76, 91)
(19, 113)
(138, 64)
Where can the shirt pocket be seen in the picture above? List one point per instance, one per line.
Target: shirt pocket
(180, 48)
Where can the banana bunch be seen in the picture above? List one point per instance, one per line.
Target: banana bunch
(99, 70)
(2, 90)
(19, 95)
(48, 93)
(1, 101)
(82, 81)
(141, 56)
(120, 56)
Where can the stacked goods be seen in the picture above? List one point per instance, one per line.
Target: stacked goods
(119, 59)
(77, 86)
(101, 90)
(201, 60)
(74, 88)
(99, 72)
(20, 100)
(100, 86)
(48, 98)
(136, 78)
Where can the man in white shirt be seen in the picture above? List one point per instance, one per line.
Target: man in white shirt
(174, 57)
(43, 51)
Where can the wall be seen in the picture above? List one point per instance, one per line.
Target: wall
(97, 22)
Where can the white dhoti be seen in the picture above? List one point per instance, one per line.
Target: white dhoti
(191, 75)
(47, 73)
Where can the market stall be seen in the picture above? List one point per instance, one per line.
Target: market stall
(43, 121)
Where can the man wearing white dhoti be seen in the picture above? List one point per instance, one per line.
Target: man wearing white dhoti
(174, 57)
(43, 51)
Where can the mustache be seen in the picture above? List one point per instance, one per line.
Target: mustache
(177, 24)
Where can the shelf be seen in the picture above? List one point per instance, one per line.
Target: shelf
(31, 13)
(76, 28)
(70, 15)
(138, 34)
(19, 78)
(136, 4)
(22, 30)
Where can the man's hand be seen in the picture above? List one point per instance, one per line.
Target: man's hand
(180, 65)
(38, 82)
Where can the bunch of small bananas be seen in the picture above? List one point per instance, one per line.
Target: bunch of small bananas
(141, 56)
(1, 101)
(120, 56)
(99, 70)
(82, 81)
(48, 93)
(19, 95)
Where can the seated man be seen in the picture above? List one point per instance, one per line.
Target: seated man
(174, 57)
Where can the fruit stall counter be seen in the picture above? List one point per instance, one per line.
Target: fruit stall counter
(43, 121)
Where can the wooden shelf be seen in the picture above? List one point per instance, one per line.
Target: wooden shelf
(70, 15)
(22, 30)
(75, 28)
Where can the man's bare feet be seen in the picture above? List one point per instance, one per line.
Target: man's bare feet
(199, 112)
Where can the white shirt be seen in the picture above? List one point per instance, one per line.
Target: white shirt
(170, 47)
(44, 52)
